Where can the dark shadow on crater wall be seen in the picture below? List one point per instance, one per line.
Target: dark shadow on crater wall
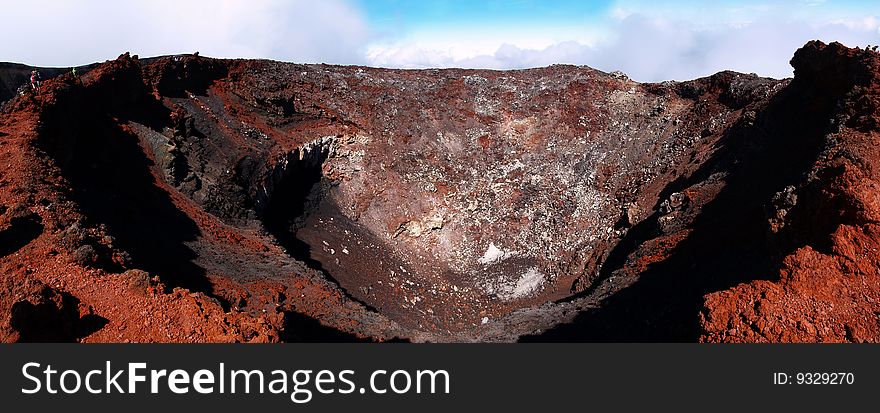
(53, 319)
(295, 194)
(20, 232)
(299, 328)
(113, 184)
(294, 209)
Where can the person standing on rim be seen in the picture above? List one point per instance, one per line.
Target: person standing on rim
(35, 80)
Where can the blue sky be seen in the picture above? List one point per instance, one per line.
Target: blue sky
(457, 13)
(648, 40)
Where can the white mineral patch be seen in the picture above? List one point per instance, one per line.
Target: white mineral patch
(493, 254)
(530, 282)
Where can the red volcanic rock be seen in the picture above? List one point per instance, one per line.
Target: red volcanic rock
(828, 286)
(184, 198)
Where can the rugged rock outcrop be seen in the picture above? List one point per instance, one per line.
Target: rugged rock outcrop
(191, 199)
(825, 222)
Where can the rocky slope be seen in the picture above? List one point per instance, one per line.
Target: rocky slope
(191, 199)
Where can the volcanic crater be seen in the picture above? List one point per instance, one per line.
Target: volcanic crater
(184, 198)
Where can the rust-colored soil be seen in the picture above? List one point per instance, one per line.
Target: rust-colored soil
(192, 199)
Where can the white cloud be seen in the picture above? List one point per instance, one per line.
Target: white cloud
(866, 23)
(482, 46)
(652, 47)
(645, 39)
(65, 32)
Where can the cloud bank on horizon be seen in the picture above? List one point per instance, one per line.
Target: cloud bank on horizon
(648, 40)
